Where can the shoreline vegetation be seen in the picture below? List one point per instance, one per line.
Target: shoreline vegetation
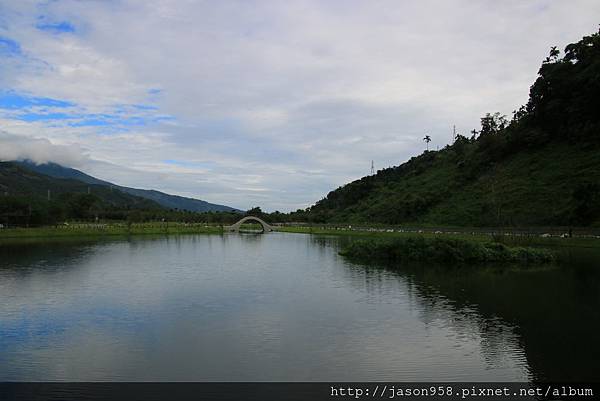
(101, 230)
(516, 238)
(443, 250)
(537, 238)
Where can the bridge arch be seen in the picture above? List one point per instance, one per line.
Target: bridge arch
(236, 227)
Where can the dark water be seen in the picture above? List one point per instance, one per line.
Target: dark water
(285, 307)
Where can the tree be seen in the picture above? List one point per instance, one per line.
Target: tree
(460, 144)
(134, 216)
(586, 198)
(493, 123)
(554, 53)
(427, 139)
(563, 101)
(255, 211)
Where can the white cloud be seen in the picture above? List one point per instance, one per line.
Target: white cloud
(39, 150)
(278, 90)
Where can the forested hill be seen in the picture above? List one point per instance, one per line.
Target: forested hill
(24, 198)
(18, 181)
(166, 200)
(541, 167)
(30, 198)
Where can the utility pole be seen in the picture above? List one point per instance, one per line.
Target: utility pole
(372, 168)
(88, 190)
(48, 194)
(453, 133)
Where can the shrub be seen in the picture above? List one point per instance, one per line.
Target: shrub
(442, 250)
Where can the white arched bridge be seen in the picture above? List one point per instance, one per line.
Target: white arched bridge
(236, 227)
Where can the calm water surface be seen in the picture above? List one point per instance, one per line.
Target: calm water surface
(284, 307)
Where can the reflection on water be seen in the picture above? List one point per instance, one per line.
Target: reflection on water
(283, 307)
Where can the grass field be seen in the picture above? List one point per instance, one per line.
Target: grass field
(99, 230)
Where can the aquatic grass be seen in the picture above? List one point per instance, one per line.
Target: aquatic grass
(442, 250)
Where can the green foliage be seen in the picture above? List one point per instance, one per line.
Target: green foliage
(80, 206)
(442, 250)
(586, 198)
(564, 99)
(493, 124)
(255, 211)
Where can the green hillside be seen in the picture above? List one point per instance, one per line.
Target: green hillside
(542, 167)
(166, 200)
(16, 180)
(24, 198)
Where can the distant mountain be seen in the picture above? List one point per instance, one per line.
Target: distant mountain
(163, 199)
(20, 181)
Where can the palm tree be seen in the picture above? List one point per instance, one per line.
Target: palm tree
(427, 139)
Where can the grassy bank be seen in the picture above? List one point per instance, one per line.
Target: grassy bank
(507, 238)
(442, 250)
(99, 230)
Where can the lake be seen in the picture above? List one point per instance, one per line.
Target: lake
(286, 307)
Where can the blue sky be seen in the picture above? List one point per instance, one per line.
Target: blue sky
(9, 47)
(262, 103)
(13, 100)
(55, 27)
(24, 107)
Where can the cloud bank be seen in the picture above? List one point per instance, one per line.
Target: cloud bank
(39, 150)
